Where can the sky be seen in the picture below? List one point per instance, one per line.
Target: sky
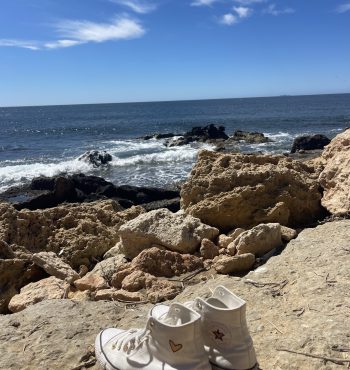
(98, 51)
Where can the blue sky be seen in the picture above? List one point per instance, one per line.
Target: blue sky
(94, 51)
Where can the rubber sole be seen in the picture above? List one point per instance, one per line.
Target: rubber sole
(217, 367)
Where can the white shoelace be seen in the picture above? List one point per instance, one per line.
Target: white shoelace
(132, 340)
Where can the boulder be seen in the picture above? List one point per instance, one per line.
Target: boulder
(177, 232)
(91, 282)
(249, 137)
(208, 133)
(224, 240)
(54, 266)
(236, 190)
(113, 294)
(50, 288)
(234, 264)
(235, 233)
(335, 178)
(96, 158)
(309, 142)
(288, 234)
(77, 233)
(208, 249)
(258, 241)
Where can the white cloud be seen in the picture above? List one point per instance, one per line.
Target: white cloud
(229, 19)
(86, 31)
(81, 32)
(32, 45)
(137, 6)
(203, 2)
(343, 8)
(242, 11)
(250, 2)
(271, 9)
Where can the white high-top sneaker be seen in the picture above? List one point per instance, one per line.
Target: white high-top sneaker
(171, 340)
(225, 332)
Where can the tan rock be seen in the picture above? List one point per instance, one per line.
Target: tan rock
(79, 296)
(335, 178)
(165, 263)
(54, 266)
(288, 234)
(113, 252)
(77, 233)
(50, 288)
(208, 249)
(239, 190)
(259, 240)
(224, 240)
(235, 233)
(234, 264)
(114, 294)
(177, 232)
(91, 282)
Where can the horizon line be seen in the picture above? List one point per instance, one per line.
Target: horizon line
(171, 101)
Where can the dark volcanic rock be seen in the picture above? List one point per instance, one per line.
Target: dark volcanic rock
(158, 136)
(81, 188)
(208, 133)
(249, 137)
(96, 158)
(310, 142)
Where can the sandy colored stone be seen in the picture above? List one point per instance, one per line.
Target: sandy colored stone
(91, 282)
(114, 294)
(54, 266)
(177, 232)
(208, 249)
(240, 190)
(234, 264)
(113, 252)
(288, 234)
(50, 288)
(258, 241)
(77, 233)
(335, 177)
(224, 240)
(235, 233)
(79, 296)
(312, 314)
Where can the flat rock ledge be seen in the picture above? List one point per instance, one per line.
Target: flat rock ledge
(297, 301)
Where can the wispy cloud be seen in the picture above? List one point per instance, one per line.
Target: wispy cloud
(228, 19)
(138, 6)
(242, 11)
(203, 2)
(32, 45)
(74, 32)
(343, 8)
(272, 10)
(250, 2)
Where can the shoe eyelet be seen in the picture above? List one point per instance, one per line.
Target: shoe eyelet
(199, 305)
(177, 310)
(151, 323)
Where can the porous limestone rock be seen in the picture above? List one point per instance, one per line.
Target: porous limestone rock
(288, 234)
(335, 178)
(258, 241)
(113, 294)
(224, 240)
(177, 232)
(113, 252)
(77, 233)
(54, 266)
(241, 190)
(5, 251)
(235, 233)
(234, 264)
(50, 288)
(208, 249)
(101, 276)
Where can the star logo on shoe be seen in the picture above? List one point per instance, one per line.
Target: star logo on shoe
(175, 347)
(218, 335)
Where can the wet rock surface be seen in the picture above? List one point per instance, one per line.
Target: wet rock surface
(309, 142)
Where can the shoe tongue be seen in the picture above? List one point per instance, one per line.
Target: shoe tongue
(173, 315)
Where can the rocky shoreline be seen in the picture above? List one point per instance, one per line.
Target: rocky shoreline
(82, 241)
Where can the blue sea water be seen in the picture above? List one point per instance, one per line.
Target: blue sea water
(48, 140)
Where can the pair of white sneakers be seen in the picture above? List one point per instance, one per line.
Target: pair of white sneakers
(199, 335)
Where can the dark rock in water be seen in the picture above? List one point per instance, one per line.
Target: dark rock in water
(172, 205)
(249, 137)
(82, 188)
(96, 158)
(158, 136)
(310, 142)
(210, 133)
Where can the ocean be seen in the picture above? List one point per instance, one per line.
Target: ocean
(48, 140)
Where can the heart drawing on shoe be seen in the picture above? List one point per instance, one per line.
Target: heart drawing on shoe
(175, 347)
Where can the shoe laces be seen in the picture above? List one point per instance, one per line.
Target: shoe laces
(132, 339)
